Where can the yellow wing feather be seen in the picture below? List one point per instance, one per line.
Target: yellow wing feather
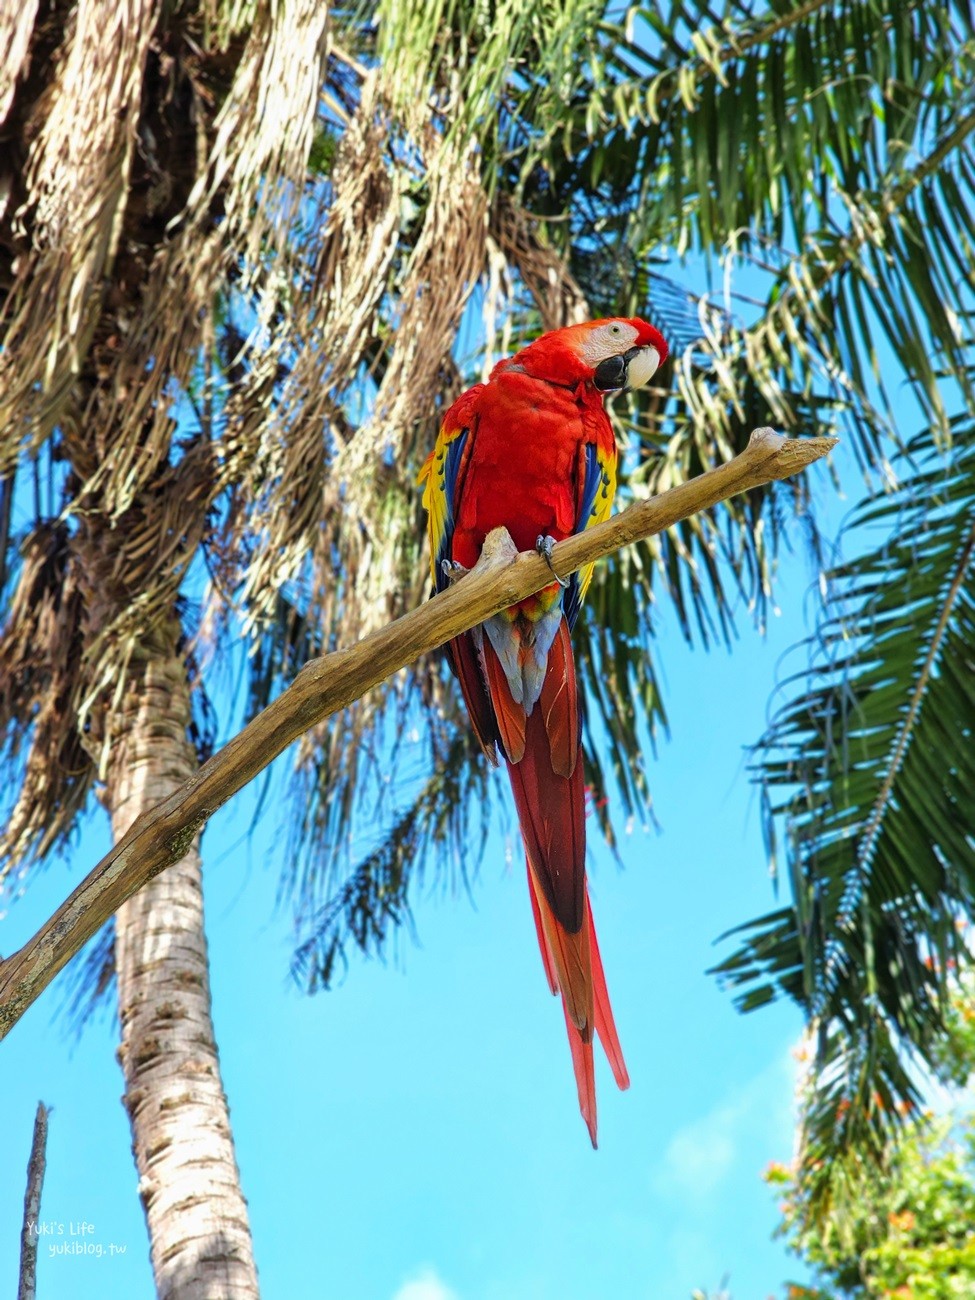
(602, 506)
(439, 510)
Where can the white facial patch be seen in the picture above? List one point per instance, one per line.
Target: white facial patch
(643, 367)
(609, 340)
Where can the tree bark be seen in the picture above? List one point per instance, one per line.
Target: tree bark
(188, 1178)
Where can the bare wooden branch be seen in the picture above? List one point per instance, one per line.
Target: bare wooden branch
(30, 1233)
(323, 686)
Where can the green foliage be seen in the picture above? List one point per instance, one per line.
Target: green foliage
(869, 767)
(321, 155)
(909, 1232)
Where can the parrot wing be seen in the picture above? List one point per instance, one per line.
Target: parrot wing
(442, 476)
(595, 490)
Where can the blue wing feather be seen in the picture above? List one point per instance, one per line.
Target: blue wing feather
(593, 477)
(453, 457)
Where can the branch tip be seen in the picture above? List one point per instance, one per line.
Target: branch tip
(498, 549)
(787, 456)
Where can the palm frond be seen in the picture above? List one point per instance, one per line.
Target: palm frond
(90, 982)
(41, 742)
(154, 174)
(869, 766)
(845, 130)
(372, 901)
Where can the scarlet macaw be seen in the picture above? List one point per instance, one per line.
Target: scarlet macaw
(533, 450)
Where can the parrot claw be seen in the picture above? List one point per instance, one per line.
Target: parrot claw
(453, 570)
(543, 545)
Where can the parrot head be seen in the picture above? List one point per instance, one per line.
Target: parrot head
(612, 354)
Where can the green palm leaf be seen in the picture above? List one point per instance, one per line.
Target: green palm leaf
(870, 767)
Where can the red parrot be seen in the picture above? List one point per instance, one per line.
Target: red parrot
(533, 451)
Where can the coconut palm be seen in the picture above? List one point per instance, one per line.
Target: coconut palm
(150, 147)
(237, 258)
(174, 172)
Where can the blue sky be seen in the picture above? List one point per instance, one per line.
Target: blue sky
(414, 1134)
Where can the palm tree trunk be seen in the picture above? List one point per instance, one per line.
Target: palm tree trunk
(188, 1179)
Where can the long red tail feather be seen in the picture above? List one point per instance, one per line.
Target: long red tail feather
(582, 1064)
(605, 1024)
(547, 961)
(463, 656)
(580, 1042)
(545, 766)
(559, 703)
(552, 816)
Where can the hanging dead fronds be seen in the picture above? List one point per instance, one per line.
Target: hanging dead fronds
(40, 650)
(16, 29)
(439, 276)
(156, 169)
(76, 182)
(284, 439)
(546, 275)
(253, 178)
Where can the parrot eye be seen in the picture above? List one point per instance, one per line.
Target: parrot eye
(608, 339)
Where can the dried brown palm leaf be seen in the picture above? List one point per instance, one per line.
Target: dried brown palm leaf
(90, 601)
(289, 438)
(442, 270)
(132, 570)
(16, 28)
(76, 182)
(252, 179)
(40, 652)
(545, 272)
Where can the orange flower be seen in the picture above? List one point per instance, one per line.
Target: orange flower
(902, 1222)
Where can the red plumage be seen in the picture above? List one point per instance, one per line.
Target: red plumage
(533, 451)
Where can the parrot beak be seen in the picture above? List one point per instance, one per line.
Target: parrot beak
(630, 369)
(643, 363)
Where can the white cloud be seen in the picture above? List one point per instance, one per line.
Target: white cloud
(425, 1285)
(701, 1155)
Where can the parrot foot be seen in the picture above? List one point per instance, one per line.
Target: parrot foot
(543, 545)
(452, 570)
